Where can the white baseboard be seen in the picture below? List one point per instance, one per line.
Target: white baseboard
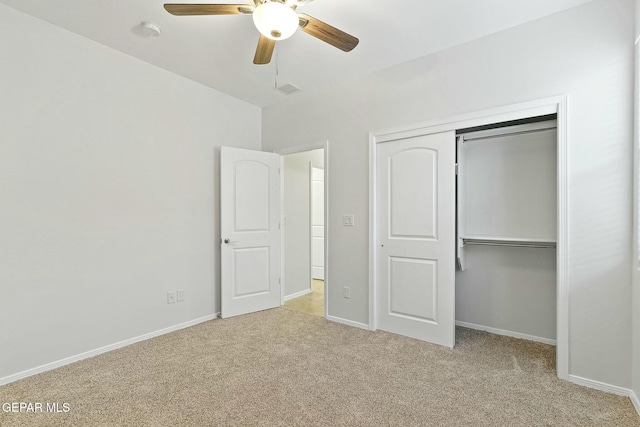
(620, 391)
(107, 348)
(348, 322)
(506, 333)
(634, 399)
(297, 294)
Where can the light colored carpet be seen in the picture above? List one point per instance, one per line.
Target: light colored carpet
(281, 367)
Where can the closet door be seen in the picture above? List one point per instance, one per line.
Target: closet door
(416, 236)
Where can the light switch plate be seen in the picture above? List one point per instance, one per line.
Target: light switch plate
(348, 220)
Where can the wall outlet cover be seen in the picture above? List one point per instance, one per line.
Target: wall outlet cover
(180, 294)
(171, 297)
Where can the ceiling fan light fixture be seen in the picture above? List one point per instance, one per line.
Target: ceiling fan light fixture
(275, 20)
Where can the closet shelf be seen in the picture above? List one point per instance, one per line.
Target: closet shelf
(506, 241)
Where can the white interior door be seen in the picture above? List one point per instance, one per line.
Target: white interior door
(317, 222)
(415, 257)
(249, 217)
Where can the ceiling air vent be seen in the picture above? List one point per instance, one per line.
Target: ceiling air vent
(288, 89)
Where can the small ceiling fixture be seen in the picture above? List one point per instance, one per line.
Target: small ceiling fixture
(149, 29)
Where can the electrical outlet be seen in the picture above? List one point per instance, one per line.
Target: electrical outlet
(180, 295)
(346, 292)
(171, 297)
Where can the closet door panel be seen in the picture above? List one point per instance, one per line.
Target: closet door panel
(415, 258)
(405, 201)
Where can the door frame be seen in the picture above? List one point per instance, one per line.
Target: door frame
(300, 149)
(553, 105)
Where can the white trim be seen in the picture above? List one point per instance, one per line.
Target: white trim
(635, 271)
(297, 294)
(552, 105)
(373, 235)
(519, 111)
(105, 349)
(282, 279)
(301, 148)
(505, 333)
(310, 231)
(597, 385)
(562, 244)
(634, 399)
(326, 228)
(348, 322)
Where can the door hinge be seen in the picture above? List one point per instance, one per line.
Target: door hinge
(279, 281)
(278, 226)
(456, 169)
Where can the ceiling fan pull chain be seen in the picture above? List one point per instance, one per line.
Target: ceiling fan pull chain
(275, 83)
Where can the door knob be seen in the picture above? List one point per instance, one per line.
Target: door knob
(227, 241)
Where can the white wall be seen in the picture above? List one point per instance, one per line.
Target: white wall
(511, 289)
(297, 256)
(587, 53)
(108, 193)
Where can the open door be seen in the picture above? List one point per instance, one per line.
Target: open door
(415, 254)
(250, 235)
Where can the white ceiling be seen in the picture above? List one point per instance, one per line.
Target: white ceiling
(217, 51)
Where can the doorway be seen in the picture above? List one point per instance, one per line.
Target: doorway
(303, 231)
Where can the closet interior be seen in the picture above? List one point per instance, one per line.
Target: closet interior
(507, 228)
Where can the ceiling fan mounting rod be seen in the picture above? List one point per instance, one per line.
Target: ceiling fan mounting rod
(259, 2)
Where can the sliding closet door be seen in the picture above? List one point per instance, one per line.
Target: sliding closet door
(415, 258)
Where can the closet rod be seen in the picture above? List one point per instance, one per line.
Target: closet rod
(506, 243)
(513, 244)
(523, 132)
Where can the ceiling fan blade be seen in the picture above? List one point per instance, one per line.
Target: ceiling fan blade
(264, 50)
(207, 9)
(327, 33)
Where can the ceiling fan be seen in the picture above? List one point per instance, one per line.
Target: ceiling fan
(275, 19)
